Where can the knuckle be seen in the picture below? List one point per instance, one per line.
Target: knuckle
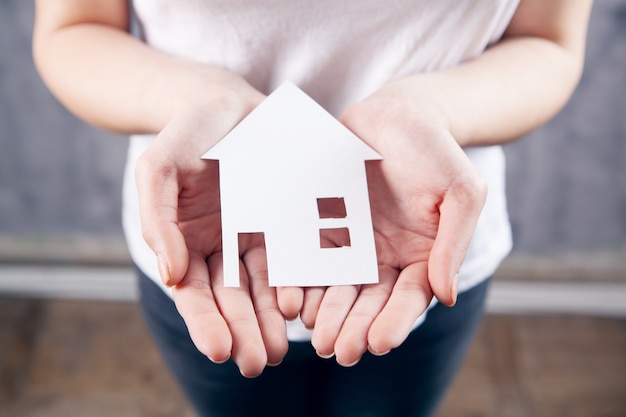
(470, 188)
(148, 235)
(154, 164)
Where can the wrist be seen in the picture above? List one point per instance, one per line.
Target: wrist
(428, 101)
(192, 88)
(402, 106)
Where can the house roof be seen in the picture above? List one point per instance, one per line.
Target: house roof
(289, 123)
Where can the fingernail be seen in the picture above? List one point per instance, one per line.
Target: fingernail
(249, 376)
(325, 356)
(220, 361)
(164, 270)
(454, 289)
(272, 364)
(373, 352)
(347, 365)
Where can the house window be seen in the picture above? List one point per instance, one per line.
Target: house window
(337, 237)
(331, 211)
(331, 208)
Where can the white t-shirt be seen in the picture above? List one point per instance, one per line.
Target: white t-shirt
(339, 52)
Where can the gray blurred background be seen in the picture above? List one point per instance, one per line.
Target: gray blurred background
(60, 179)
(560, 352)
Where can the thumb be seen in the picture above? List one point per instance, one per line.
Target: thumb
(459, 213)
(158, 189)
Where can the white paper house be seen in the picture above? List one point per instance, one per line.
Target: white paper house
(276, 167)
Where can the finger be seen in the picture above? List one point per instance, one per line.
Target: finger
(409, 298)
(197, 306)
(236, 307)
(158, 189)
(352, 341)
(333, 310)
(459, 213)
(311, 304)
(269, 316)
(290, 301)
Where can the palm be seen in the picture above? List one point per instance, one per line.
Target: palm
(405, 219)
(199, 210)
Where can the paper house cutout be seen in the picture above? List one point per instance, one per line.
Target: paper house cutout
(277, 167)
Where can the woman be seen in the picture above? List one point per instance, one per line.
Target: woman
(433, 86)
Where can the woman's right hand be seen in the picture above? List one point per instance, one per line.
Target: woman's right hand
(181, 222)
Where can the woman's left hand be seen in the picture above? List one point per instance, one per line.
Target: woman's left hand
(426, 197)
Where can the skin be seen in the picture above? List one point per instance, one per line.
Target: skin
(426, 196)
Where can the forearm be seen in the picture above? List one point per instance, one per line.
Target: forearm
(515, 86)
(114, 81)
(510, 90)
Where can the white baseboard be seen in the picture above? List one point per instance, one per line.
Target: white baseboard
(73, 282)
(596, 299)
(118, 284)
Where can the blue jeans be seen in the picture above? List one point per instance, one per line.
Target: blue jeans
(409, 381)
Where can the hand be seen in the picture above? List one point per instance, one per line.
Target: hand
(180, 212)
(426, 197)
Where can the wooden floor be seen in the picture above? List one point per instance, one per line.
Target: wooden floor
(85, 358)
